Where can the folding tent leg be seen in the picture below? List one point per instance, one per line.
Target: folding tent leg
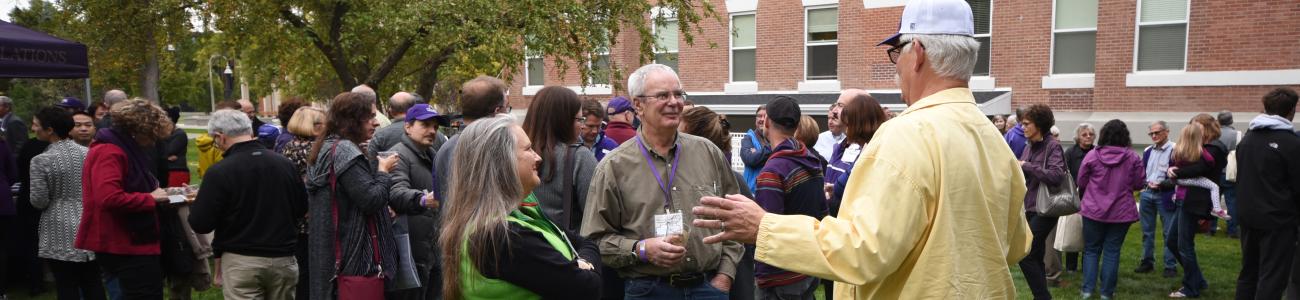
(88, 99)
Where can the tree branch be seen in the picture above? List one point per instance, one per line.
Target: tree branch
(331, 53)
(393, 58)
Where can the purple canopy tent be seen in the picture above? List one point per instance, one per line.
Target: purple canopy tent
(26, 53)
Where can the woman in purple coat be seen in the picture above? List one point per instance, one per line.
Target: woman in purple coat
(1108, 175)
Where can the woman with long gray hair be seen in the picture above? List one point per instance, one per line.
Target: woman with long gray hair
(496, 243)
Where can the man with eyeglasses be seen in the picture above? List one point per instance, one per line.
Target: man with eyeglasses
(638, 193)
(934, 208)
(1156, 200)
(834, 133)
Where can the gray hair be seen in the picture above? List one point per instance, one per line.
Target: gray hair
(400, 102)
(950, 55)
(1056, 131)
(1079, 130)
(366, 91)
(1161, 123)
(1225, 117)
(114, 96)
(230, 122)
(636, 81)
(6, 101)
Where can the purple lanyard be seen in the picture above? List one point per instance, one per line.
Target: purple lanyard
(668, 196)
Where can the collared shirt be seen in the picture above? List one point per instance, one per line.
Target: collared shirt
(624, 197)
(826, 142)
(933, 210)
(1158, 162)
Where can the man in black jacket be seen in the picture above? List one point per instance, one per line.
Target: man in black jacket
(1267, 159)
(253, 199)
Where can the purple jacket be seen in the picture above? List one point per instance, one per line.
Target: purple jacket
(1108, 176)
(1035, 174)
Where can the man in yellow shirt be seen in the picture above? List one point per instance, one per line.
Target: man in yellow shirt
(934, 208)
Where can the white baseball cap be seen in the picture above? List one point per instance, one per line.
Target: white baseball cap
(934, 17)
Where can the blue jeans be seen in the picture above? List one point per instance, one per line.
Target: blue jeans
(1182, 241)
(1230, 200)
(1149, 210)
(1102, 241)
(655, 289)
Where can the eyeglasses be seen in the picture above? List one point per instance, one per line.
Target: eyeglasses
(1154, 133)
(895, 52)
(580, 119)
(665, 96)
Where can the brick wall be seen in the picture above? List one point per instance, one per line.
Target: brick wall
(1224, 35)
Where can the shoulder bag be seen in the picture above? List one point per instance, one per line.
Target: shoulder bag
(1059, 200)
(354, 287)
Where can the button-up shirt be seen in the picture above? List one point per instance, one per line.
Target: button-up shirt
(624, 197)
(1158, 161)
(933, 210)
(826, 142)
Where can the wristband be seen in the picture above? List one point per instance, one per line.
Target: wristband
(642, 255)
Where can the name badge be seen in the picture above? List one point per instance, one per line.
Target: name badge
(668, 224)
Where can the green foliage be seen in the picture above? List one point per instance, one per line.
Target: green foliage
(121, 37)
(320, 47)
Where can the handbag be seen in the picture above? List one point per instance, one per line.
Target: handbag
(1059, 200)
(406, 276)
(354, 287)
(1230, 172)
(1069, 234)
(571, 218)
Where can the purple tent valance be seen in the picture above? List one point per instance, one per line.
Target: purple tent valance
(26, 53)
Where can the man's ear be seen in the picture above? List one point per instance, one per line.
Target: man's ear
(919, 50)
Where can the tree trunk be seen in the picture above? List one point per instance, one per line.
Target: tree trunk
(149, 74)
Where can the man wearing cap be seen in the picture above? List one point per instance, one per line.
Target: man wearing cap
(790, 183)
(620, 120)
(72, 104)
(934, 207)
(413, 181)
(390, 135)
(638, 197)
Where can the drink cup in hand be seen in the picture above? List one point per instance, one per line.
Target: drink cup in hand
(385, 154)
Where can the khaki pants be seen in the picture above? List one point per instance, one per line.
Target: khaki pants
(252, 277)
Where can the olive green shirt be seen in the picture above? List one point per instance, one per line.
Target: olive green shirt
(624, 198)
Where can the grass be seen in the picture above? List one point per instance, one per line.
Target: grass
(1219, 258)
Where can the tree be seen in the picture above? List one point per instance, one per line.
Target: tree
(146, 48)
(318, 47)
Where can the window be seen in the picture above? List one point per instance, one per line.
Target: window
(983, 14)
(743, 60)
(600, 68)
(822, 42)
(1162, 35)
(666, 44)
(1074, 37)
(535, 69)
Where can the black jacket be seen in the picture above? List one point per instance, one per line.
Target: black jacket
(1074, 158)
(1268, 186)
(175, 145)
(253, 199)
(1197, 200)
(527, 260)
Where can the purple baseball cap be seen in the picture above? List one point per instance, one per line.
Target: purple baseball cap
(421, 112)
(618, 105)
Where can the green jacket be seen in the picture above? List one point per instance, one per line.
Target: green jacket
(476, 286)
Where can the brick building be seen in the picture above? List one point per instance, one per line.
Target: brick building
(1091, 60)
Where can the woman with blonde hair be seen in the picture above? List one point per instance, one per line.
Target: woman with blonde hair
(1196, 205)
(495, 242)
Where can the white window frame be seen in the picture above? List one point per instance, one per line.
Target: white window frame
(988, 35)
(654, 30)
(731, 46)
(528, 81)
(591, 64)
(807, 43)
(1051, 60)
(1137, 35)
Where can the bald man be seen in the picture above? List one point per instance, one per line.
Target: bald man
(249, 109)
(374, 104)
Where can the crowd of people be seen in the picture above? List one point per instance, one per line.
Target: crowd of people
(635, 197)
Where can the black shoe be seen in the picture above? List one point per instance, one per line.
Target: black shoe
(1170, 273)
(1144, 268)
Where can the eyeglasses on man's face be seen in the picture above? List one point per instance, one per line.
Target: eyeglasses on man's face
(667, 95)
(896, 52)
